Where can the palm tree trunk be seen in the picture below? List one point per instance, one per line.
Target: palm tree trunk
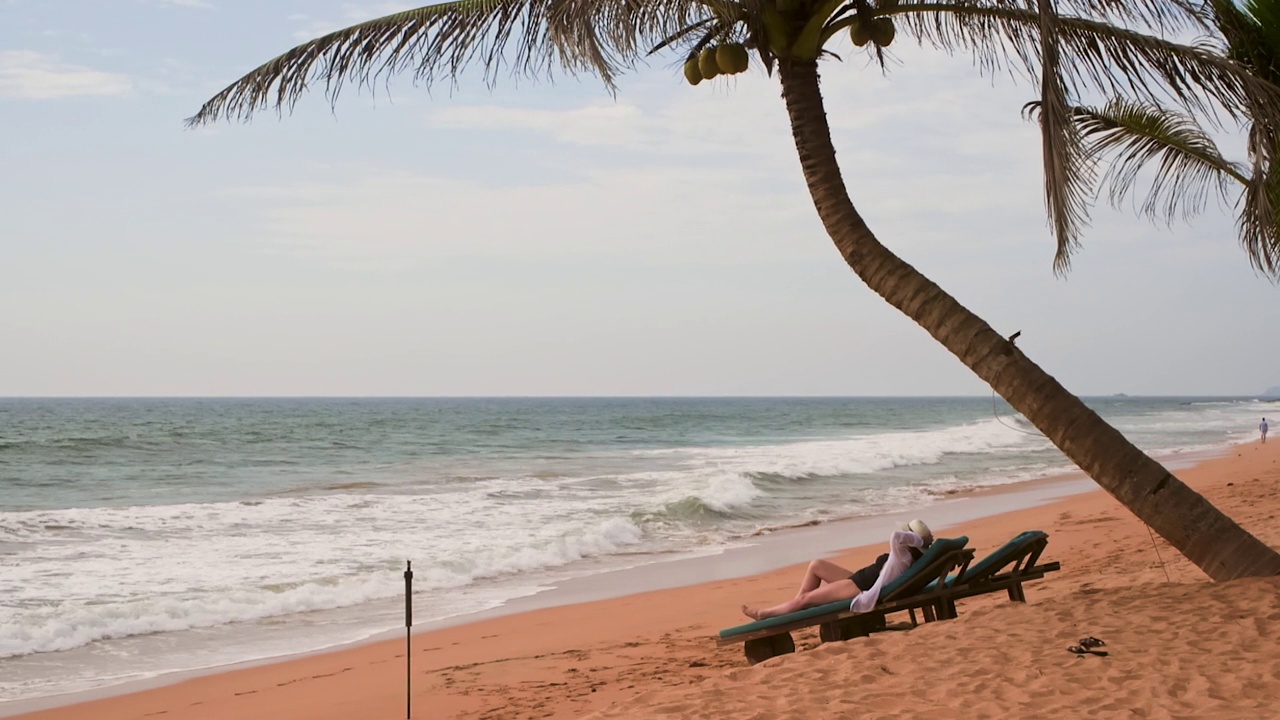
(1200, 531)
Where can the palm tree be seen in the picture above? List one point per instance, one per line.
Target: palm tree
(1188, 166)
(1117, 48)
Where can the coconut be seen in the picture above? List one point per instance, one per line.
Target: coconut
(707, 63)
(883, 31)
(691, 71)
(859, 32)
(732, 58)
(741, 57)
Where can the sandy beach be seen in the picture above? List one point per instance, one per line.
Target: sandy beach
(1179, 646)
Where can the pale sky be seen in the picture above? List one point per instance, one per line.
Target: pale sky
(543, 239)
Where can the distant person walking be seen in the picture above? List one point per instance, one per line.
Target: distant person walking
(1263, 429)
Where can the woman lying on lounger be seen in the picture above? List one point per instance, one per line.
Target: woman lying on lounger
(825, 582)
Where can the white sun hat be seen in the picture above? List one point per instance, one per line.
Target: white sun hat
(918, 527)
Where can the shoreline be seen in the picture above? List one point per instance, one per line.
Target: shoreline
(774, 554)
(764, 552)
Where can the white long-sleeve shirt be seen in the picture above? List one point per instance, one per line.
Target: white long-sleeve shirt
(899, 560)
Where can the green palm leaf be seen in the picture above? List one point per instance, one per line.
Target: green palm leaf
(1187, 163)
(1252, 34)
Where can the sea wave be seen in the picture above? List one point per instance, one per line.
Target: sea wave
(859, 454)
(84, 575)
(74, 624)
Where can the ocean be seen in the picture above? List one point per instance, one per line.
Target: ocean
(140, 537)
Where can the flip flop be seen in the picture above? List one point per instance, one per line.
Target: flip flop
(1091, 642)
(1078, 650)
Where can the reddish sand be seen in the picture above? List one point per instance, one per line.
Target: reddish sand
(1179, 645)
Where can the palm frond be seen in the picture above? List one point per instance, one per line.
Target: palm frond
(1259, 222)
(1068, 172)
(1188, 165)
(524, 37)
(1267, 15)
(1260, 21)
(1097, 56)
(1250, 41)
(1161, 15)
(680, 34)
(1252, 33)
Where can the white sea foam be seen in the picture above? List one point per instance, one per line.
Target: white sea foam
(862, 454)
(76, 623)
(115, 572)
(720, 490)
(726, 492)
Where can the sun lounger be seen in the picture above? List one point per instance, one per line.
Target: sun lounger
(1005, 569)
(915, 589)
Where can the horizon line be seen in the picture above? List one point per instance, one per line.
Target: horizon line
(597, 397)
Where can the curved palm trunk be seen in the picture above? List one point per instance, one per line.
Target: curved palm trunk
(1182, 516)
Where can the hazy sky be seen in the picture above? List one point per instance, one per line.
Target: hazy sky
(548, 239)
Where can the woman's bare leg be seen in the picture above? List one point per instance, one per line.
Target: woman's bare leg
(821, 571)
(824, 593)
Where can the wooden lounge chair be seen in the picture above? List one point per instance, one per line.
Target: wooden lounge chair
(993, 572)
(917, 588)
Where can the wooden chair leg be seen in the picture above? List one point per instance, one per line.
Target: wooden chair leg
(952, 612)
(1016, 594)
(761, 649)
(940, 610)
(839, 631)
(851, 627)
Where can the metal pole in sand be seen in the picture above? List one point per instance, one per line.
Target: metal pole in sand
(408, 642)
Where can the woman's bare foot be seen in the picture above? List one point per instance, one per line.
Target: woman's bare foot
(752, 613)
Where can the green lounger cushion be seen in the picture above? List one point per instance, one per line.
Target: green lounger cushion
(1006, 554)
(940, 547)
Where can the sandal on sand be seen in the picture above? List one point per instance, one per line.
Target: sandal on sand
(1079, 650)
(1091, 642)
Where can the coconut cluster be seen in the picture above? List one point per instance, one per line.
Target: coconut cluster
(880, 31)
(727, 59)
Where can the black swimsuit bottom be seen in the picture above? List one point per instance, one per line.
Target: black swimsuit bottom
(867, 576)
